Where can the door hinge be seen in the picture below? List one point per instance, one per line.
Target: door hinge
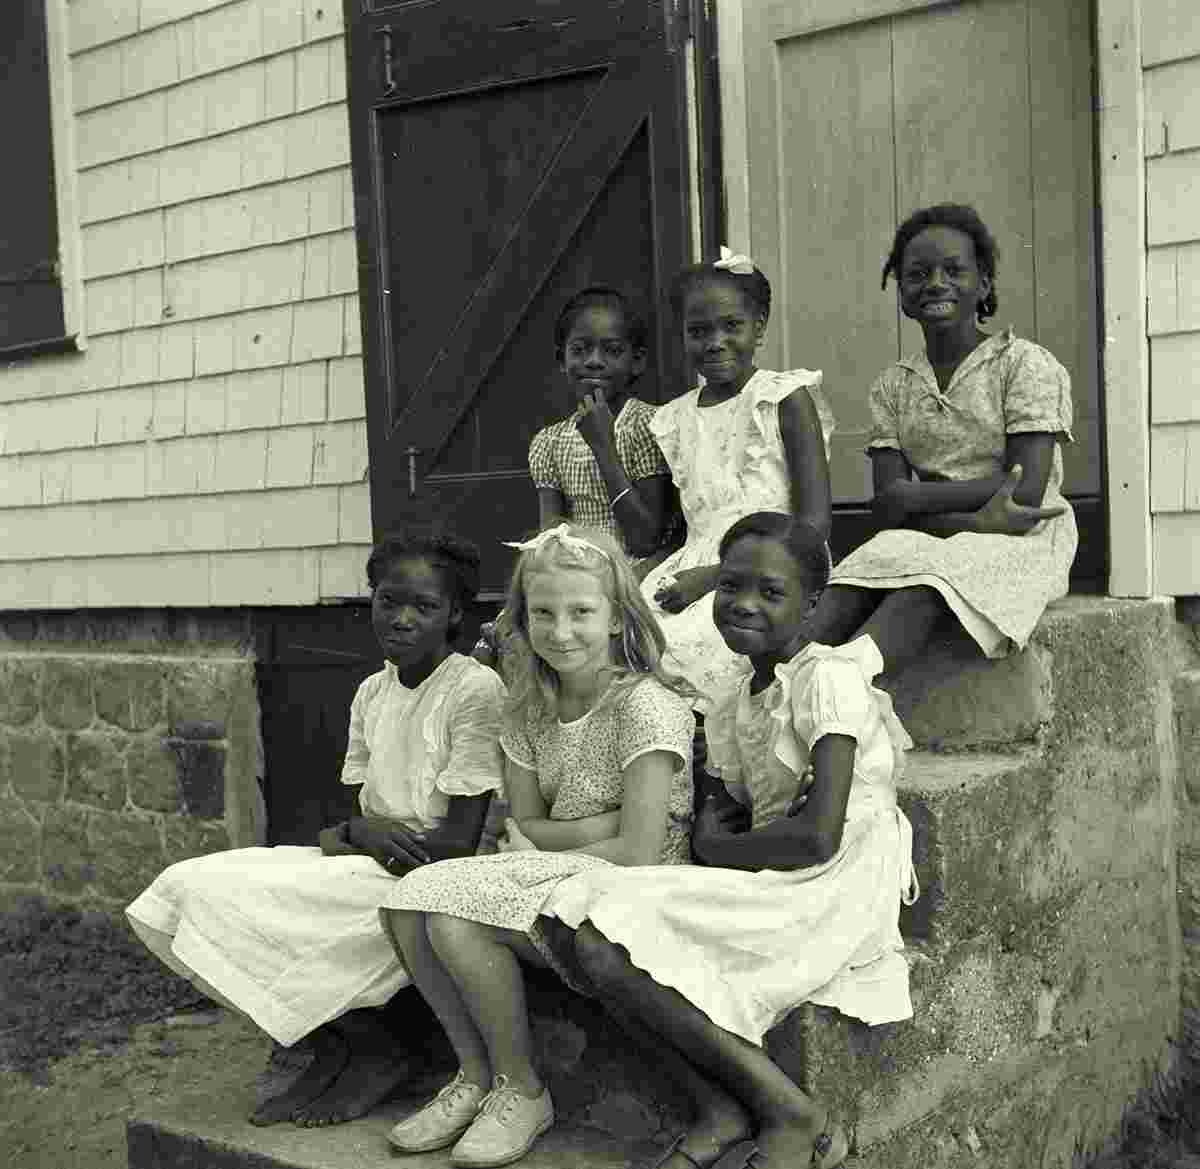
(677, 21)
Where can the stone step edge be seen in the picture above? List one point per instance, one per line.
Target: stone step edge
(938, 773)
(165, 1141)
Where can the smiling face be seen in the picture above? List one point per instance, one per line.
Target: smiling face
(597, 354)
(721, 331)
(571, 621)
(941, 286)
(412, 613)
(761, 602)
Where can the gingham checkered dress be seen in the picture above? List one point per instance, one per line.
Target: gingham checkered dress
(560, 458)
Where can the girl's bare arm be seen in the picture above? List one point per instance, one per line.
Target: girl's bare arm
(530, 812)
(644, 812)
(810, 837)
(552, 507)
(944, 507)
(808, 467)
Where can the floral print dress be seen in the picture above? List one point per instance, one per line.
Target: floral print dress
(727, 461)
(996, 585)
(580, 769)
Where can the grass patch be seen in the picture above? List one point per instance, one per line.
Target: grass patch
(70, 976)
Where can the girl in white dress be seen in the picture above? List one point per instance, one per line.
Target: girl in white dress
(290, 936)
(598, 776)
(747, 440)
(804, 903)
(966, 454)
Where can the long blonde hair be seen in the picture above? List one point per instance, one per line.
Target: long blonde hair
(637, 651)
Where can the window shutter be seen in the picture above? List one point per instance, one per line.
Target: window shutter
(31, 292)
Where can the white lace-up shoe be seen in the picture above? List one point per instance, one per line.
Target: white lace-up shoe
(505, 1129)
(442, 1121)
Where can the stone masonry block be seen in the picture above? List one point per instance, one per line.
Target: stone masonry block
(35, 765)
(130, 695)
(152, 775)
(20, 682)
(20, 840)
(201, 772)
(185, 838)
(128, 854)
(67, 693)
(200, 691)
(68, 859)
(1187, 724)
(953, 697)
(96, 770)
(1001, 840)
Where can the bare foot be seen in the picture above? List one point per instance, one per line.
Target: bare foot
(368, 1078)
(330, 1052)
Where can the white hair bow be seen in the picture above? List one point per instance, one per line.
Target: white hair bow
(563, 535)
(737, 264)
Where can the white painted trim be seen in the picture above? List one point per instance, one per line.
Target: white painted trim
(62, 128)
(735, 146)
(1126, 383)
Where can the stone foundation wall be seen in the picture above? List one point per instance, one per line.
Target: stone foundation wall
(127, 742)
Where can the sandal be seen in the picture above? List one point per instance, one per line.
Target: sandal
(739, 1155)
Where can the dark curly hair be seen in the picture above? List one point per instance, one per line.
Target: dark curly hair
(960, 217)
(456, 559)
(754, 287)
(603, 296)
(805, 545)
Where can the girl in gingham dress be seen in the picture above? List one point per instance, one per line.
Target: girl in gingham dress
(601, 467)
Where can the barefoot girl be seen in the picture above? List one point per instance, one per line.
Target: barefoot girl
(803, 903)
(601, 468)
(967, 466)
(290, 936)
(598, 776)
(747, 439)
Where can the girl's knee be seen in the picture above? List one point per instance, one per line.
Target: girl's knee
(603, 961)
(447, 932)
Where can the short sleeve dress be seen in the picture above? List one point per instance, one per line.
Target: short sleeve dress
(579, 767)
(996, 585)
(747, 947)
(291, 937)
(560, 458)
(727, 461)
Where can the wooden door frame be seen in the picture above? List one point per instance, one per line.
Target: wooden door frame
(1118, 557)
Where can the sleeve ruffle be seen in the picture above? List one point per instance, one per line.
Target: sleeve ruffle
(541, 462)
(668, 424)
(770, 389)
(723, 760)
(1037, 392)
(358, 754)
(832, 708)
(651, 718)
(475, 764)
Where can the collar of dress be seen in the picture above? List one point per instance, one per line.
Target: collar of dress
(918, 362)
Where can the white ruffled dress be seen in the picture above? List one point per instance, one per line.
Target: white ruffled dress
(748, 947)
(727, 461)
(291, 937)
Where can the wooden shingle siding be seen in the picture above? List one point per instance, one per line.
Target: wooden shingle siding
(209, 447)
(1171, 57)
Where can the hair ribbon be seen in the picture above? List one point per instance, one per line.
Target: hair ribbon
(563, 535)
(737, 264)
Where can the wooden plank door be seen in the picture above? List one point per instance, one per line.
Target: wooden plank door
(506, 153)
(860, 111)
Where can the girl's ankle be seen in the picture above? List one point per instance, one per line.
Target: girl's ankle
(528, 1084)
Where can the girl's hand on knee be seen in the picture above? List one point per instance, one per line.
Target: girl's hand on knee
(687, 588)
(1003, 516)
(396, 847)
(718, 819)
(514, 840)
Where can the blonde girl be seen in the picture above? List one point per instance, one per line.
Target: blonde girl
(598, 745)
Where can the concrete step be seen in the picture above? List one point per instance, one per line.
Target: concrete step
(215, 1138)
(1066, 683)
